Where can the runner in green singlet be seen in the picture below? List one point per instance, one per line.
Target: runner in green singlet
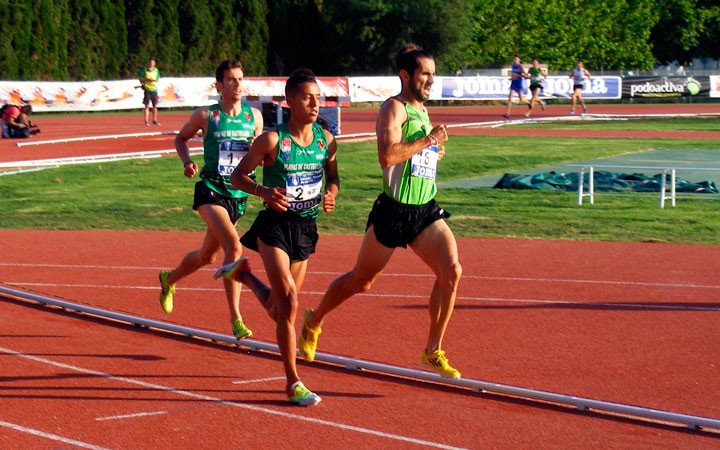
(405, 214)
(294, 158)
(228, 129)
(537, 74)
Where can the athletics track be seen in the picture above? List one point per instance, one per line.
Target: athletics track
(578, 318)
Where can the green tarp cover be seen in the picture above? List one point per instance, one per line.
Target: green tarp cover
(604, 181)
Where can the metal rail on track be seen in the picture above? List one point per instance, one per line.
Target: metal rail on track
(580, 403)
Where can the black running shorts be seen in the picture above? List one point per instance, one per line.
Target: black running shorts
(397, 224)
(206, 196)
(297, 236)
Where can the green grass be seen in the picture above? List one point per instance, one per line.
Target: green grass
(152, 194)
(653, 124)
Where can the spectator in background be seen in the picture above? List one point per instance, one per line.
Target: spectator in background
(15, 123)
(149, 77)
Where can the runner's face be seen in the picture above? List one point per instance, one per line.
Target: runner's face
(231, 86)
(423, 78)
(305, 103)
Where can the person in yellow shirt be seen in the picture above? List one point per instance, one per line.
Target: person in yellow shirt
(149, 77)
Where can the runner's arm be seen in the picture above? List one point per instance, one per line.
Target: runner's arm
(391, 149)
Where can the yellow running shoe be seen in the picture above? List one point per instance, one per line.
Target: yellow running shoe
(167, 291)
(308, 338)
(231, 271)
(300, 395)
(240, 330)
(439, 362)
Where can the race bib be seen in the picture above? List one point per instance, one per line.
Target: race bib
(230, 154)
(424, 163)
(303, 190)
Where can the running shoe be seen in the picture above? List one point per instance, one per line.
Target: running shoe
(147, 124)
(240, 330)
(308, 338)
(572, 112)
(584, 109)
(542, 105)
(156, 123)
(527, 114)
(300, 395)
(439, 362)
(167, 291)
(231, 271)
(507, 116)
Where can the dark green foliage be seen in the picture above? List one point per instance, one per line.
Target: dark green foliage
(107, 39)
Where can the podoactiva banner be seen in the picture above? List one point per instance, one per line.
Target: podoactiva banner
(665, 87)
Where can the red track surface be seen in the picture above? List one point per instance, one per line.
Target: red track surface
(625, 323)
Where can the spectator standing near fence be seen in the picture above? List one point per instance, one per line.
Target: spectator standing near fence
(149, 77)
(579, 74)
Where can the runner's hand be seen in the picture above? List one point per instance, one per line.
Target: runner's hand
(328, 202)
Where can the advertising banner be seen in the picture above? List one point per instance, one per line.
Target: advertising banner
(714, 86)
(48, 96)
(496, 88)
(666, 87)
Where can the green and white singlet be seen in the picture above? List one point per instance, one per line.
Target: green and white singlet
(226, 142)
(412, 182)
(536, 77)
(299, 170)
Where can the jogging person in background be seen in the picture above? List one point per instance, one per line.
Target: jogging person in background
(228, 129)
(149, 77)
(579, 74)
(517, 74)
(294, 159)
(536, 74)
(405, 213)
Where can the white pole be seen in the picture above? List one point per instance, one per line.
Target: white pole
(582, 404)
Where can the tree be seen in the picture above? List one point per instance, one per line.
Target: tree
(254, 34)
(677, 31)
(367, 33)
(169, 54)
(197, 32)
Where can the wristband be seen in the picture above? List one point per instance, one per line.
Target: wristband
(257, 186)
(433, 138)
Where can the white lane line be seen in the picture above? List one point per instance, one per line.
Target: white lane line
(53, 437)
(674, 306)
(391, 274)
(258, 380)
(131, 416)
(207, 398)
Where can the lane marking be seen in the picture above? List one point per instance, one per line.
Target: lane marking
(258, 380)
(131, 416)
(50, 436)
(254, 408)
(399, 274)
(676, 306)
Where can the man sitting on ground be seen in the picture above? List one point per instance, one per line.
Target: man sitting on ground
(15, 123)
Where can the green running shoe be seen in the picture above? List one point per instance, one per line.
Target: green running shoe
(300, 395)
(240, 330)
(167, 291)
(231, 271)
